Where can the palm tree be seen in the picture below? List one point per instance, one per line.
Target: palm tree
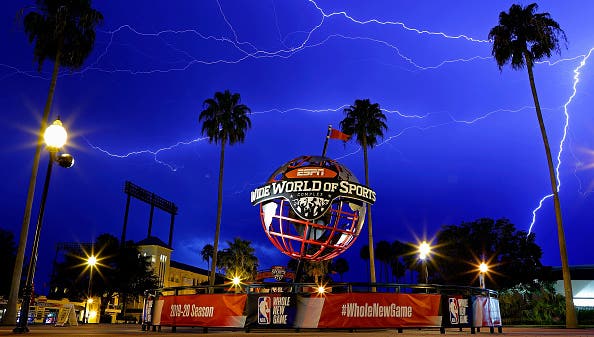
(317, 271)
(521, 38)
(206, 253)
(398, 249)
(341, 266)
(383, 250)
(224, 120)
(410, 258)
(240, 259)
(64, 32)
(366, 121)
(364, 254)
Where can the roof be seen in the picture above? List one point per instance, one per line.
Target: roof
(582, 272)
(152, 241)
(187, 267)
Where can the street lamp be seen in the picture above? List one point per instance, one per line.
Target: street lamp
(424, 251)
(91, 262)
(55, 137)
(236, 281)
(483, 269)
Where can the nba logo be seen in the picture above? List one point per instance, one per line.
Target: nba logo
(264, 310)
(454, 311)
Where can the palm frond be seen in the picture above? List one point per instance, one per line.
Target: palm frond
(524, 36)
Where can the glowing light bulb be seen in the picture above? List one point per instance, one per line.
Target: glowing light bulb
(55, 135)
(424, 250)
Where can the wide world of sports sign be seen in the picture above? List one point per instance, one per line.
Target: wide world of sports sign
(311, 189)
(312, 207)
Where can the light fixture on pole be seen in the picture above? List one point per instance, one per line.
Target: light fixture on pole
(55, 137)
(483, 269)
(91, 262)
(424, 251)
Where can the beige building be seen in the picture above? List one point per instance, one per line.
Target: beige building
(170, 273)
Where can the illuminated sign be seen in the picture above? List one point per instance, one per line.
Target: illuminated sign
(310, 190)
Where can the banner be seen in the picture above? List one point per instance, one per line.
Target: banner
(206, 310)
(485, 311)
(147, 309)
(369, 310)
(271, 310)
(457, 311)
(287, 310)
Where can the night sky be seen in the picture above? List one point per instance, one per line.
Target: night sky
(463, 140)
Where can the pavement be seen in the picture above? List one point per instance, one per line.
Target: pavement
(135, 330)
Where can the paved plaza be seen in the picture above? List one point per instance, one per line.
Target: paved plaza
(135, 330)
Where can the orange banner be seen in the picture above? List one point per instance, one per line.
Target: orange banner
(216, 310)
(370, 310)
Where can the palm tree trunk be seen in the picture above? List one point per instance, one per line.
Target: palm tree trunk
(11, 309)
(570, 316)
(219, 215)
(369, 222)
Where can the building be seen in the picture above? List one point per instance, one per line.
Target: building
(582, 284)
(170, 273)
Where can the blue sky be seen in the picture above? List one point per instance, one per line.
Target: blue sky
(463, 140)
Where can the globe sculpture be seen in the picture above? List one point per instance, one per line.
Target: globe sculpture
(312, 208)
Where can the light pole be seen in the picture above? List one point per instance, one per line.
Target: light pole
(424, 251)
(88, 303)
(91, 262)
(483, 269)
(55, 137)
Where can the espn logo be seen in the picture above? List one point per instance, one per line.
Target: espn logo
(264, 306)
(308, 172)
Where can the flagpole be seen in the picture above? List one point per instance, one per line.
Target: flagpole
(326, 142)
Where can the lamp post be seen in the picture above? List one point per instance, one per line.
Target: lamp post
(424, 251)
(91, 262)
(483, 269)
(55, 137)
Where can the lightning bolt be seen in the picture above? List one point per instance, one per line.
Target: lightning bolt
(395, 23)
(576, 80)
(256, 53)
(154, 153)
(247, 50)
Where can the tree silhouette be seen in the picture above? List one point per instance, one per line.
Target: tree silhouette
(364, 254)
(398, 249)
(8, 253)
(239, 260)
(62, 31)
(224, 120)
(521, 38)
(206, 253)
(366, 122)
(341, 266)
(512, 255)
(383, 250)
